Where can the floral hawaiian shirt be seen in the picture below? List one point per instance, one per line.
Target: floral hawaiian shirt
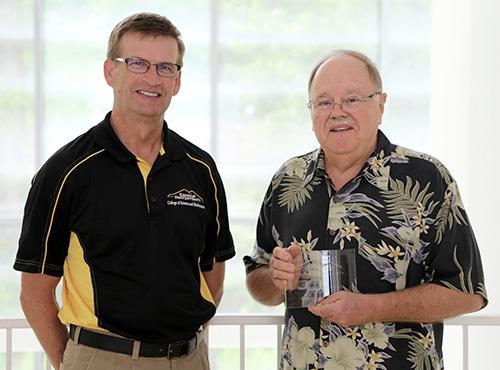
(404, 220)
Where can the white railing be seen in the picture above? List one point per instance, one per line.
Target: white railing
(244, 321)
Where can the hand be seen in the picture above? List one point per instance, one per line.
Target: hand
(285, 266)
(345, 308)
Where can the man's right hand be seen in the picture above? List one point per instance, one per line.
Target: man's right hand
(285, 266)
(38, 300)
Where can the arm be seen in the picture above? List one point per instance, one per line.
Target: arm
(262, 289)
(424, 303)
(267, 284)
(215, 281)
(40, 308)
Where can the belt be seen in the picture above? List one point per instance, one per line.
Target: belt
(126, 346)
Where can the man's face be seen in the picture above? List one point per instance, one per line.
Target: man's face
(340, 133)
(145, 95)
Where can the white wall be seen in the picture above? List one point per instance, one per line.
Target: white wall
(465, 132)
(484, 138)
(464, 110)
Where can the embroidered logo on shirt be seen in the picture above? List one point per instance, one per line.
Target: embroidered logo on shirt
(185, 197)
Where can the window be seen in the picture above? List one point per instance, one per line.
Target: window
(243, 96)
(18, 140)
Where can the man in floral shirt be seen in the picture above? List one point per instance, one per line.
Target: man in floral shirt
(416, 260)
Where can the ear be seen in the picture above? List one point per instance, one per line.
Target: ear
(177, 82)
(312, 119)
(381, 102)
(108, 71)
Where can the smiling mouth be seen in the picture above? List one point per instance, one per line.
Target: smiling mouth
(149, 94)
(340, 129)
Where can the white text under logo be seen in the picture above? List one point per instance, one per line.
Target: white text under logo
(186, 198)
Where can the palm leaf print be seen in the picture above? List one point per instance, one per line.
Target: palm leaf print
(442, 221)
(294, 193)
(404, 198)
(465, 286)
(419, 356)
(482, 290)
(363, 210)
(274, 185)
(358, 204)
(296, 181)
(450, 212)
(366, 250)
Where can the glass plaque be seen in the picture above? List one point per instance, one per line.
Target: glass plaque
(324, 272)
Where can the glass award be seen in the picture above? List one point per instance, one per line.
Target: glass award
(324, 272)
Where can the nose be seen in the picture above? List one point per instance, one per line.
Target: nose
(152, 76)
(337, 112)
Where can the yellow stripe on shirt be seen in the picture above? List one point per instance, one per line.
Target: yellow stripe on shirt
(46, 243)
(215, 189)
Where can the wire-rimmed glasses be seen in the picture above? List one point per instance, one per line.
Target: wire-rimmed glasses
(139, 65)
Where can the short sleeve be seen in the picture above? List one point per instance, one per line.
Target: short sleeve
(264, 243)
(219, 245)
(455, 260)
(44, 238)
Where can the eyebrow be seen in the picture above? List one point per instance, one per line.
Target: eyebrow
(147, 60)
(324, 95)
(350, 92)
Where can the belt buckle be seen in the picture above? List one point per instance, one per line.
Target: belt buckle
(181, 348)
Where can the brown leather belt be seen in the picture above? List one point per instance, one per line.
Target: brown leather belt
(126, 346)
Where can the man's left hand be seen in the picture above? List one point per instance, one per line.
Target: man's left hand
(344, 308)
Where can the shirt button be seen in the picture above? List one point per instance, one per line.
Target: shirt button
(150, 178)
(153, 199)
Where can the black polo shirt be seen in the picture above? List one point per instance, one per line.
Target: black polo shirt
(131, 248)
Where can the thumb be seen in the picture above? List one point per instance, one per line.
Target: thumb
(294, 250)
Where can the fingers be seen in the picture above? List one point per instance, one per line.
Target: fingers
(324, 309)
(284, 265)
(341, 308)
(325, 306)
(315, 309)
(332, 298)
(282, 254)
(283, 260)
(285, 271)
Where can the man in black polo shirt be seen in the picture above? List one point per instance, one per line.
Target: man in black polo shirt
(368, 241)
(134, 218)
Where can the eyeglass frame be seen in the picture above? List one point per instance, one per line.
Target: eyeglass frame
(148, 65)
(357, 99)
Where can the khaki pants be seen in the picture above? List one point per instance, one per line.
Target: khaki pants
(80, 357)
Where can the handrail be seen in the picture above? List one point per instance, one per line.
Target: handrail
(242, 321)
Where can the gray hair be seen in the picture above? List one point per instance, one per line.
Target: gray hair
(372, 68)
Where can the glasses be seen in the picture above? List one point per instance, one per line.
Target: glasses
(349, 104)
(139, 65)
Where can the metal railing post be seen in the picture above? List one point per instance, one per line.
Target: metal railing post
(8, 349)
(465, 347)
(242, 347)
